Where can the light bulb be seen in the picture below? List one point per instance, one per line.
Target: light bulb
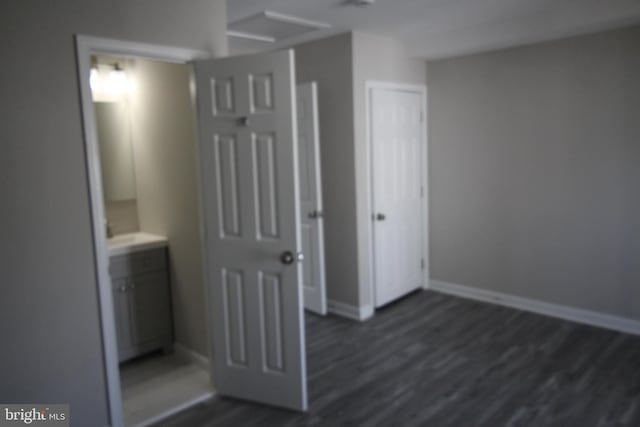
(118, 83)
(94, 79)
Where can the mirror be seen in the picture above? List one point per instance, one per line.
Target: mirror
(110, 89)
(116, 150)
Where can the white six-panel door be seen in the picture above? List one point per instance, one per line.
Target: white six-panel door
(396, 123)
(311, 216)
(248, 152)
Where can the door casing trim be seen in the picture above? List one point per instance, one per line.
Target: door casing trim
(85, 47)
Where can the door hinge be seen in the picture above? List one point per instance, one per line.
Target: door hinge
(422, 263)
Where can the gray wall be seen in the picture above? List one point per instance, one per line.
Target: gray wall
(534, 161)
(329, 63)
(51, 347)
(164, 144)
(342, 65)
(378, 59)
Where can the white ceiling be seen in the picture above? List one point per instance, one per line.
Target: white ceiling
(444, 28)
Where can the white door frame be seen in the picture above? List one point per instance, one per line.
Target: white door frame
(421, 90)
(85, 47)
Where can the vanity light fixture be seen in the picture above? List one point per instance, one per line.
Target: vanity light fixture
(118, 82)
(109, 82)
(94, 78)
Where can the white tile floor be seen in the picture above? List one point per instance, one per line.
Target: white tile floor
(157, 386)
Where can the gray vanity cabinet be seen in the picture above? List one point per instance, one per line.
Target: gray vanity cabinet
(142, 302)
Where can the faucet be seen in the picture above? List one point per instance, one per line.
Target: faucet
(107, 227)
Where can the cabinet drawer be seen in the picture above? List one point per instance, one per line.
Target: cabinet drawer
(138, 262)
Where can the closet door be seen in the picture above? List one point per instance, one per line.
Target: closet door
(396, 123)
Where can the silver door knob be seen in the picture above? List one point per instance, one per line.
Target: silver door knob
(315, 214)
(288, 257)
(381, 217)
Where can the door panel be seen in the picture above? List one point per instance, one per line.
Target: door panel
(235, 329)
(312, 220)
(264, 173)
(261, 92)
(247, 122)
(270, 287)
(227, 169)
(396, 127)
(150, 307)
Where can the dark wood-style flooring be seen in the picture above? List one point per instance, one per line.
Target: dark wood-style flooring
(437, 360)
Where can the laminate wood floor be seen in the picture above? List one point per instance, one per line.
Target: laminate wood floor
(437, 360)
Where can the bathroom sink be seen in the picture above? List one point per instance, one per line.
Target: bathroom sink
(123, 239)
(133, 242)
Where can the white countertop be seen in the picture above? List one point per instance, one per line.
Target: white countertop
(134, 242)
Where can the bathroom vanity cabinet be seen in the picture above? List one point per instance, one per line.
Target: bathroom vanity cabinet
(142, 302)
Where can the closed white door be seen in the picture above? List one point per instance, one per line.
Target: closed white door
(311, 216)
(396, 124)
(249, 160)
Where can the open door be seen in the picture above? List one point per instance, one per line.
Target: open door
(249, 160)
(311, 216)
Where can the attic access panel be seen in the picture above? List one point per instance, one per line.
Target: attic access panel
(274, 26)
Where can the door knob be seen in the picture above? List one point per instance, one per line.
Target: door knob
(242, 121)
(287, 257)
(315, 214)
(381, 217)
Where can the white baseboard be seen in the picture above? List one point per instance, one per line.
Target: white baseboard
(360, 313)
(193, 356)
(593, 318)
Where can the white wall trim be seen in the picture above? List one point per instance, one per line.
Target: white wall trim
(589, 317)
(186, 353)
(371, 85)
(349, 311)
(85, 47)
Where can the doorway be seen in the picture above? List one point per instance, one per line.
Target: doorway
(142, 165)
(311, 210)
(278, 303)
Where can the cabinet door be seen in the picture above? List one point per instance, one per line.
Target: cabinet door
(149, 308)
(121, 315)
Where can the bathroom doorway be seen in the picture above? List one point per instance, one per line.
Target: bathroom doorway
(123, 273)
(145, 200)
